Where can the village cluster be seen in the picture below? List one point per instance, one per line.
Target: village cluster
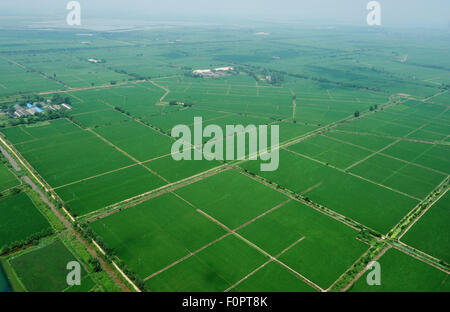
(38, 108)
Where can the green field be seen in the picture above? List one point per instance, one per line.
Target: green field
(315, 256)
(363, 115)
(44, 269)
(431, 233)
(351, 196)
(7, 178)
(89, 195)
(273, 278)
(223, 198)
(162, 231)
(19, 219)
(400, 272)
(409, 178)
(71, 156)
(215, 268)
(141, 142)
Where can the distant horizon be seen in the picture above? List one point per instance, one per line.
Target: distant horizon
(402, 13)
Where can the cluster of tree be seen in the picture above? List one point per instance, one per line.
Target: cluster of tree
(95, 264)
(122, 110)
(28, 120)
(173, 103)
(58, 99)
(274, 77)
(31, 240)
(374, 107)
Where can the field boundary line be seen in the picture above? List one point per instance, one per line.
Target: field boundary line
(214, 241)
(140, 198)
(137, 162)
(371, 155)
(309, 282)
(324, 210)
(265, 264)
(416, 253)
(111, 171)
(355, 175)
(190, 254)
(385, 155)
(392, 137)
(262, 215)
(384, 148)
(91, 88)
(424, 211)
(92, 112)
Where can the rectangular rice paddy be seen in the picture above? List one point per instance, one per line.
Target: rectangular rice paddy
(44, 130)
(173, 170)
(182, 117)
(44, 269)
(7, 178)
(363, 201)
(317, 256)
(373, 143)
(100, 118)
(429, 155)
(152, 235)
(231, 197)
(378, 126)
(19, 219)
(273, 278)
(431, 233)
(408, 178)
(70, 157)
(401, 272)
(215, 268)
(330, 151)
(136, 139)
(90, 195)
(290, 130)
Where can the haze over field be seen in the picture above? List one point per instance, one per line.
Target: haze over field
(399, 13)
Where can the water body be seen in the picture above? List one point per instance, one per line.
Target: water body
(4, 283)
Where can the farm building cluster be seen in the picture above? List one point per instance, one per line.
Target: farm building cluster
(38, 108)
(213, 73)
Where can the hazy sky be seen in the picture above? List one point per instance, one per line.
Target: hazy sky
(408, 13)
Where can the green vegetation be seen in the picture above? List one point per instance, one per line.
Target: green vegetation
(431, 233)
(44, 269)
(404, 273)
(364, 138)
(21, 223)
(7, 178)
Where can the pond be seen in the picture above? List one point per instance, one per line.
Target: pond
(4, 283)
